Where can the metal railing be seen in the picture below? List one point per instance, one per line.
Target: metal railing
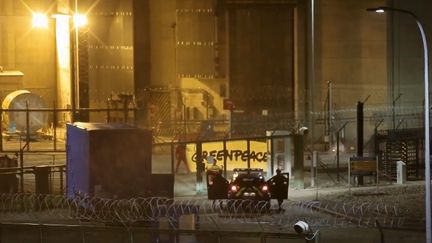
(47, 179)
(51, 132)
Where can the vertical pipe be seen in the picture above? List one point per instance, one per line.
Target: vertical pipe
(359, 129)
(272, 155)
(40, 233)
(248, 152)
(312, 73)
(313, 168)
(76, 97)
(377, 171)
(27, 126)
(349, 175)
(184, 118)
(55, 121)
(172, 157)
(1, 130)
(330, 111)
(376, 141)
(360, 136)
(298, 161)
(337, 157)
(109, 112)
(22, 170)
(199, 167)
(224, 158)
(61, 179)
(125, 110)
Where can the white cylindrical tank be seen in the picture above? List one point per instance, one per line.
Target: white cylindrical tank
(17, 119)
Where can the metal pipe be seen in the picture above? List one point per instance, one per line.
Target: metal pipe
(337, 150)
(75, 85)
(330, 112)
(27, 126)
(248, 152)
(55, 121)
(1, 131)
(224, 158)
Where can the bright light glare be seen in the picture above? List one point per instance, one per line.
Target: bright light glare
(80, 20)
(379, 10)
(40, 20)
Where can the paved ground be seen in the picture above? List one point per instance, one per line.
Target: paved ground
(185, 187)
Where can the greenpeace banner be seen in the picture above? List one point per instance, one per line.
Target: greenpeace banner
(236, 154)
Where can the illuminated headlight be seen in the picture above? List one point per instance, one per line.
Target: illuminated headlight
(264, 188)
(234, 188)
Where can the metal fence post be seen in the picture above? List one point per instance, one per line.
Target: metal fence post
(22, 170)
(248, 152)
(173, 157)
(40, 233)
(108, 112)
(83, 240)
(62, 170)
(314, 168)
(125, 112)
(27, 126)
(224, 158)
(55, 123)
(272, 153)
(1, 130)
(131, 236)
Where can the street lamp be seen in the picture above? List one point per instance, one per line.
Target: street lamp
(63, 40)
(40, 20)
(426, 114)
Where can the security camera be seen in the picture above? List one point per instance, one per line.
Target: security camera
(301, 227)
(303, 130)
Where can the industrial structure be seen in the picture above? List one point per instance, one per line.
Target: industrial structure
(219, 68)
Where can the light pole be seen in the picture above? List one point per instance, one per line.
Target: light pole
(426, 114)
(79, 21)
(66, 48)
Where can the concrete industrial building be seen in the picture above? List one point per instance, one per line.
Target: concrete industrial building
(182, 59)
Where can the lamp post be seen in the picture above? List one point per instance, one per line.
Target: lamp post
(63, 40)
(426, 114)
(79, 21)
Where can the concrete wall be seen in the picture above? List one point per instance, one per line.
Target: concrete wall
(351, 51)
(354, 49)
(110, 49)
(163, 28)
(406, 72)
(27, 49)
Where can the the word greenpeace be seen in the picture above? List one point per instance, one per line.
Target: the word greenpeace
(234, 155)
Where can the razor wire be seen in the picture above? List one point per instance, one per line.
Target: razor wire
(216, 214)
(395, 209)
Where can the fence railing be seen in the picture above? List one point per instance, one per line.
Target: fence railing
(22, 127)
(46, 179)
